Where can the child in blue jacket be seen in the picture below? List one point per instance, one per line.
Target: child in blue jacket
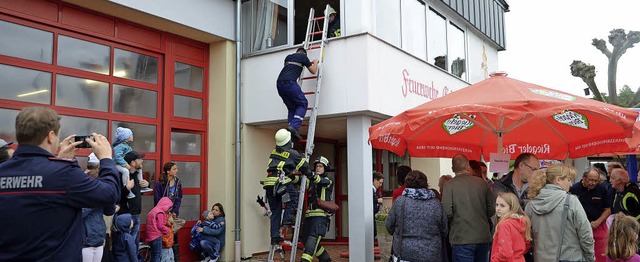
(124, 245)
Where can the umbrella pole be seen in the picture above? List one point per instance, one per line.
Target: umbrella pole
(499, 150)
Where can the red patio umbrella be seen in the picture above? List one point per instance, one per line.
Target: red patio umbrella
(517, 116)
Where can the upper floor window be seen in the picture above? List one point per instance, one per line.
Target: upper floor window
(457, 61)
(273, 23)
(436, 39)
(413, 28)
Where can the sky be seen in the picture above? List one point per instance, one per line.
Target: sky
(543, 37)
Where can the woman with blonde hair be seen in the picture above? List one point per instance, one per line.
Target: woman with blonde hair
(623, 239)
(561, 230)
(512, 238)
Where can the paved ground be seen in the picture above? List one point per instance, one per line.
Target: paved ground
(334, 251)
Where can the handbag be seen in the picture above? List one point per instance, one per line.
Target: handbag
(397, 257)
(178, 223)
(328, 206)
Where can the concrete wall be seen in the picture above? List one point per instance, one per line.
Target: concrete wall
(215, 17)
(221, 158)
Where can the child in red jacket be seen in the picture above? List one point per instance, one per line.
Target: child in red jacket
(156, 226)
(512, 238)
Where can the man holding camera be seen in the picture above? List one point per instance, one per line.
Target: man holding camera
(42, 195)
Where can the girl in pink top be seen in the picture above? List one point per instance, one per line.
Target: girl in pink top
(623, 237)
(512, 238)
(156, 226)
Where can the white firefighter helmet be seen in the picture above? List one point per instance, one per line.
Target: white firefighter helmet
(324, 161)
(331, 11)
(282, 137)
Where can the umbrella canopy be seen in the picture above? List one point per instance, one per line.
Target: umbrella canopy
(517, 116)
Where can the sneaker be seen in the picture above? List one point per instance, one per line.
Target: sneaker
(294, 133)
(145, 190)
(131, 195)
(207, 259)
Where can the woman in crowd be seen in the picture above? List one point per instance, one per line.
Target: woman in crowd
(548, 193)
(416, 235)
(169, 186)
(623, 239)
(512, 238)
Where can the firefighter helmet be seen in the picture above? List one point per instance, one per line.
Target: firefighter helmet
(283, 137)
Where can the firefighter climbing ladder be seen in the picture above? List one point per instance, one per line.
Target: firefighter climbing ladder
(309, 44)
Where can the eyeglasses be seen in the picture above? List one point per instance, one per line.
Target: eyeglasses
(532, 168)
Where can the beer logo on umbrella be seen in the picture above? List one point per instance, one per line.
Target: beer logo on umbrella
(457, 124)
(572, 118)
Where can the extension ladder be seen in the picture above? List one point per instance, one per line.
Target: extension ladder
(309, 44)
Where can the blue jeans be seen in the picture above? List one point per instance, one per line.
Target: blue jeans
(470, 253)
(156, 249)
(275, 204)
(135, 231)
(296, 102)
(211, 248)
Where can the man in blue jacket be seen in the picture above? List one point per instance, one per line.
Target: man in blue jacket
(42, 195)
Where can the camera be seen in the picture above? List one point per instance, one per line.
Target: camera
(84, 143)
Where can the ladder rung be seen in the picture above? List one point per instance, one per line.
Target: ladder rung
(309, 108)
(309, 93)
(314, 47)
(318, 18)
(309, 77)
(305, 124)
(316, 33)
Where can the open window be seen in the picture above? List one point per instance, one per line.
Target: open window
(302, 15)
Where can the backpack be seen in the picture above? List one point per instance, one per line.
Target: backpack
(195, 238)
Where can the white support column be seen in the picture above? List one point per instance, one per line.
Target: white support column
(360, 189)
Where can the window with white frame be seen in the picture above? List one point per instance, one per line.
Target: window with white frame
(457, 61)
(437, 39)
(265, 24)
(388, 21)
(413, 28)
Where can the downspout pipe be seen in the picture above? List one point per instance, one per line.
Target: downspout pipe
(238, 190)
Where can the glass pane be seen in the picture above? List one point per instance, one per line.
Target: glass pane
(269, 23)
(135, 66)
(456, 51)
(135, 101)
(81, 126)
(186, 144)
(189, 77)
(144, 136)
(26, 42)
(8, 130)
(413, 28)
(82, 93)
(388, 24)
(148, 173)
(189, 107)
(189, 174)
(147, 205)
(83, 55)
(26, 85)
(436, 37)
(190, 207)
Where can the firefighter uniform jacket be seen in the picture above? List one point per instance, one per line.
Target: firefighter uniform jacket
(41, 200)
(285, 159)
(320, 188)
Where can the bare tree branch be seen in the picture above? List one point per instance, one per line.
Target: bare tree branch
(602, 46)
(587, 73)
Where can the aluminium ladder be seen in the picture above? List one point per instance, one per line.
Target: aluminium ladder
(309, 44)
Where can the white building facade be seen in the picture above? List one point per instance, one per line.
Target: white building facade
(167, 70)
(391, 56)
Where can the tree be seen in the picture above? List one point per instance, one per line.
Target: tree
(620, 42)
(626, 96)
